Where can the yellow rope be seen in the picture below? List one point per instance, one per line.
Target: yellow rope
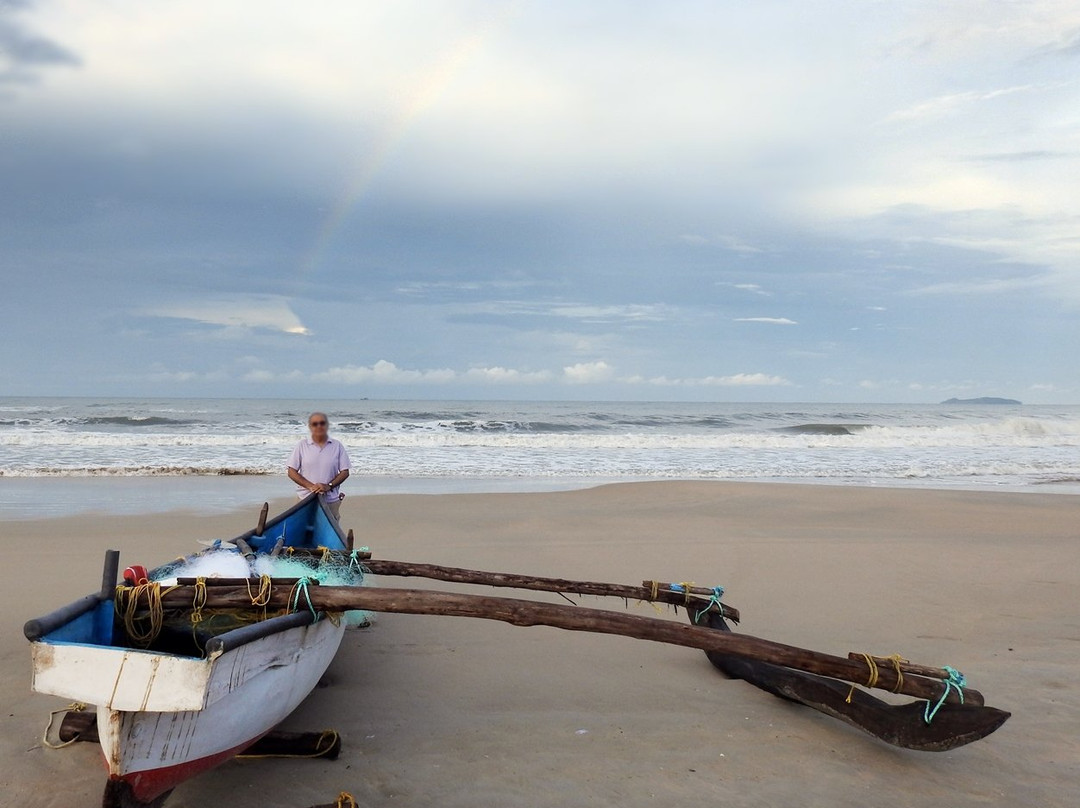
(74, 707)
(325, 743)
(687, 586)
(198, 601)
(262, 597)
(897, 660)
(126, 602)
(326, 556)
(871, 678)
(345, 800)
(655, 590)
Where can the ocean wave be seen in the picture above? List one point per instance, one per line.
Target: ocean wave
(540, 435)
(139, 471)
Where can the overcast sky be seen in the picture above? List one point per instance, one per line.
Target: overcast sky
(767, 201)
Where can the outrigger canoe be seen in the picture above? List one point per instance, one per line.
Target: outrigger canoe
(186, 693)
(196, 695)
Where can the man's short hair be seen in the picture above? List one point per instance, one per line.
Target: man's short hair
(323, 414)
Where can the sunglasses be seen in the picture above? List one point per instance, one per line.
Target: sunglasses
(317, 423)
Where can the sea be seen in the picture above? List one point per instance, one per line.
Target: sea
(68, 455)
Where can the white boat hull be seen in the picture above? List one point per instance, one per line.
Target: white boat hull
(162, 719)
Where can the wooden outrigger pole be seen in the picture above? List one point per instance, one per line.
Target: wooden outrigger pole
(949, 715)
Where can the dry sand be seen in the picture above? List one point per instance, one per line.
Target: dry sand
(451, 712)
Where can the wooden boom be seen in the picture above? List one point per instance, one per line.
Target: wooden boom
(691, 597)
(572, 618)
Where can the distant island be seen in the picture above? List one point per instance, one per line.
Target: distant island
(983, 400)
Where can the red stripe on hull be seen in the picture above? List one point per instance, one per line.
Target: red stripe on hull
(148, 784)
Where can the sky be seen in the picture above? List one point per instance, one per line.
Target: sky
(768, 201)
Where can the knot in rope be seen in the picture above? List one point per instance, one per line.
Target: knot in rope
(345, 800)
(354, 562)
(301, 588)
(955, 680)
(714, 600)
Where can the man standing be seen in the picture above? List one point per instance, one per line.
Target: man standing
(319, 464)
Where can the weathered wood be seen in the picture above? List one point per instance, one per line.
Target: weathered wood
(82, 726)
(349, 541)
(901, 725)
(261, 526)
(698, 600)
(338, 555)
(572, 618)
(905, 666)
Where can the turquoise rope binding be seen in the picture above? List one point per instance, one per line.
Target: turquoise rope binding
(714, 599)
(302, 586)
(957, 680)
(354, 562)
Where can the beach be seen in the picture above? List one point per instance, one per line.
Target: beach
(455, 712)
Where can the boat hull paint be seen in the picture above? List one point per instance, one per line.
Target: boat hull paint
(251, 690)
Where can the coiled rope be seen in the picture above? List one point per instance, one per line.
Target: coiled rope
(126, 602)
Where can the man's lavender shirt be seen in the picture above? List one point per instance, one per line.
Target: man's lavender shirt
(319, 464)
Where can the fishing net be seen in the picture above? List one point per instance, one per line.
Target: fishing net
(328, 569)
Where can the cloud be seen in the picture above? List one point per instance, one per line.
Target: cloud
(770, 320)
(236, 311)
(751, 287)
(382, 372)
(588, 373)
(745, 380)
(736, 380)
(501, 375)
(23, 53)
(944, 104)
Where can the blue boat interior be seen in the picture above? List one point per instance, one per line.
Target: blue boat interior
(92, 620)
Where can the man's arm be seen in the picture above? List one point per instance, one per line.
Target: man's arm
(304, 482)
(339, 478)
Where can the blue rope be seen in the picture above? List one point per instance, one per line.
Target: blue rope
(354, 562)
(302, 586)
(714, 599)
(957, 680)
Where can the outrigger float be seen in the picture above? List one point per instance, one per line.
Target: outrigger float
(188, 672)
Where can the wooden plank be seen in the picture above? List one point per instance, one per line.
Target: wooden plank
(698, 600)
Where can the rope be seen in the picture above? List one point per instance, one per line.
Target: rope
(326, 556)
(897, 661)
(957, 680)
(686, 586)
(354, 562)
(126, 602)
(262, 597)
(345, 800)
(871, 678)
(301, 587)
(74, 707)
(714, 600)
(326, 742)
(198, 601)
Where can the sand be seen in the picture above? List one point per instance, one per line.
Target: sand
(453, 712)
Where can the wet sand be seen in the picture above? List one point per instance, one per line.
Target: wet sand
(453, 712)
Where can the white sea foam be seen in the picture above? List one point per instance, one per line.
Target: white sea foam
(543, 441)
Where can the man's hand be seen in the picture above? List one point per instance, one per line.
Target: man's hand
(320, 488)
